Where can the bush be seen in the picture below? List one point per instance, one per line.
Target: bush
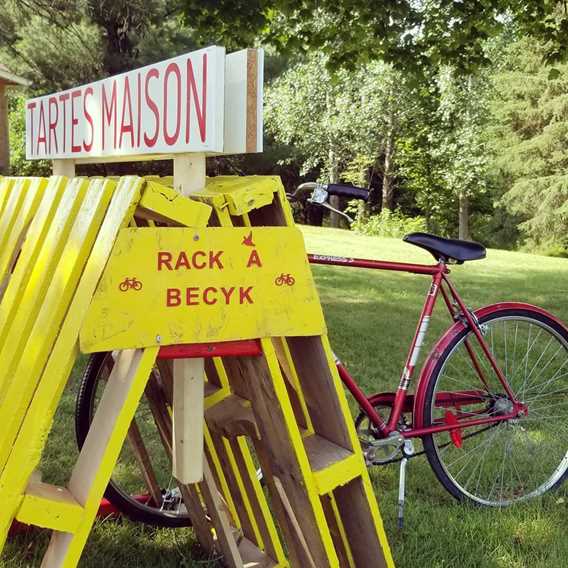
(387, 224)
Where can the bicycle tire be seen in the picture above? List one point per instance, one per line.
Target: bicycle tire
(439, 447)
(121, 499)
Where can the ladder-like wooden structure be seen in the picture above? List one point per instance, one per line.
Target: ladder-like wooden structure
(281, 405)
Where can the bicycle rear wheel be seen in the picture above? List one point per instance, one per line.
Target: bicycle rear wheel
(142, 486)
(514, 460)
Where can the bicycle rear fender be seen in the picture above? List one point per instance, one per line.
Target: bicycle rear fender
(446, 339)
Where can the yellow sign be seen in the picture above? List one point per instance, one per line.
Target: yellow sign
(167, 286)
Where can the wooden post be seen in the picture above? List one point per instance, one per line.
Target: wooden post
(63, 168)
(188, 374)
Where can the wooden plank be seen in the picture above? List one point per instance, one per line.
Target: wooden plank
(6, 184)
(50, 507)
(63, 168)
(159, 402)
(12, 208)
(234, 479)
(292, 384)
(10, 250)
(33, 244)
(144, 462)
(225, 537)
(165, 204)
(15, 325)
(319, 389)
(337, 531)
(233, 416)
(26, 452)
(101, 449)
(188, 408)
(24, 366)
(260, 512)
(282, 453)
(368, 546)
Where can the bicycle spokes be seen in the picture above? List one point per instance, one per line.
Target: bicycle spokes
(524, 454)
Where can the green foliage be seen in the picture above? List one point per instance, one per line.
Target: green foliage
(529, 138)
(60, 43)
(411, 35)
(387, 223)
(17, 133)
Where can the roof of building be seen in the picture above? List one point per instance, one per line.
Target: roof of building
(9, 78)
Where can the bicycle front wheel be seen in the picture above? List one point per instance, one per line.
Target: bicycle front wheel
(509, 461)
(142, 486)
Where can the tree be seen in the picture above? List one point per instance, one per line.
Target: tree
(60, 43)
(346, 123)
(530, 142)
(406, 33)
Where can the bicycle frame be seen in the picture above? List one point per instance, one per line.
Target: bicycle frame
(401, 401)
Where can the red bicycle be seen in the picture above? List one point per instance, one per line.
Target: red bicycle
(491, 402)
(490, 406)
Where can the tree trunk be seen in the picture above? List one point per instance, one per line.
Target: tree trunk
(464, 217)
(388, 188)
(334, 200)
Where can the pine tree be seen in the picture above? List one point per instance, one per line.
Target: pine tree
(530, 142)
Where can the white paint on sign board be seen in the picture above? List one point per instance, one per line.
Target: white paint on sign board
(179, 105)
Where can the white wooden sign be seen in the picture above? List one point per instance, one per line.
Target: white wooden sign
(203, 102)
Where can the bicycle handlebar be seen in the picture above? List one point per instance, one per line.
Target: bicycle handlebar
(348, 191)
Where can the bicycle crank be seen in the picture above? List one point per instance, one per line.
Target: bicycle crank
(383, 450)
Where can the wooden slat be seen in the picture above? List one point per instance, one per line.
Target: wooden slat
(26, 452)
(101, 449)
(11, 247)
(6, 184)
(18, 310)
(188, 407)
(50, 507)
(25, 365)
(13, 287)
(140, 452)
(281, 453)
(165, 204)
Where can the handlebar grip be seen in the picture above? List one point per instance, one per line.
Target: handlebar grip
(347, 191)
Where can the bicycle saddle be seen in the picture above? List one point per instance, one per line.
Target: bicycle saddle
(446, 249)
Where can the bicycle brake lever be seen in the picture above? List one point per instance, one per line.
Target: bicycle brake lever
(331, 208)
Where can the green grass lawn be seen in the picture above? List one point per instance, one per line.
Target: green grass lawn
(371, 318)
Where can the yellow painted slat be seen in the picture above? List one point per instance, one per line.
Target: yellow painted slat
(339, 473)
(26, 452)
(169, 204)
(33, 352)
(342, 532)
(98, 456)
(216, 463)
(12, 208)
(243, 194)
(6, 184)
(299, 450)
(15, 325)
(251, 472)
(242, 490)
(368, 488)
(10, 245)
(35, 238)
(50, 507)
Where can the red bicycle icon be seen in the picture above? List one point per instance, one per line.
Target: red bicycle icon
(286, 279)
(130, 283)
